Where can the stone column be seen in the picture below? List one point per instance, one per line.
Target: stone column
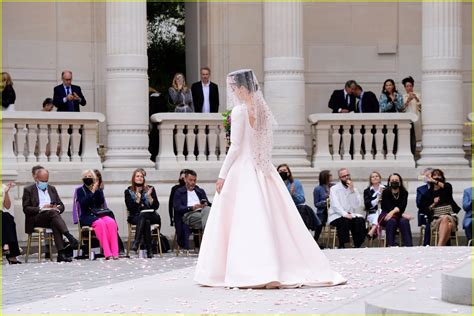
(442, 91)
(127, 86)
(284, 79)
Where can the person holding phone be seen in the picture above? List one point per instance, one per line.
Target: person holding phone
(9, 237)
(142, 205)
(343, 211)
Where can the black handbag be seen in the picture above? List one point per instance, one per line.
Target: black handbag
(100, 212)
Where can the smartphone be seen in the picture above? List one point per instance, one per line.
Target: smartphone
(203, 201)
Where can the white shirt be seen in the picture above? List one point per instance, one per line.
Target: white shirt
(343, 201)
(193, 199)
(43, 197)
(206, 107)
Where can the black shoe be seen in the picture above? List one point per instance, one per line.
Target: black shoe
(62, 257)
(149, 254)
(13, 260)
(135, 245)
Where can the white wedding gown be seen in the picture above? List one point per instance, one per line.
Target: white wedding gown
(254, 235)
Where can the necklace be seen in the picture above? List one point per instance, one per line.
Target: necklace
(396, 195)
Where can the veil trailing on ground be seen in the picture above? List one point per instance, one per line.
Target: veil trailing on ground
(252, 99)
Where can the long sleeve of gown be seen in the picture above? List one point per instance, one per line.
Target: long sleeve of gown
(236, 136)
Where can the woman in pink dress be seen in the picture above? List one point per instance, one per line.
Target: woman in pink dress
(255, 237)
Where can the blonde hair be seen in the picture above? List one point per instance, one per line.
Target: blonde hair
(85, 172)
(175, 84)
(6, 79)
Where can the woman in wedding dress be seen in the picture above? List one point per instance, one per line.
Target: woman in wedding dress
(255, 237)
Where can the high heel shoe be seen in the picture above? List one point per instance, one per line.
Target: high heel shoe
(15, 261)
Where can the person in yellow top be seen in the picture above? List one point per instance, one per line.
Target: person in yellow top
(412, 104)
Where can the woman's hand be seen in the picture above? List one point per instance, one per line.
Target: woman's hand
(8, 187)
(95, 186)
(219, 185)
(388, 216)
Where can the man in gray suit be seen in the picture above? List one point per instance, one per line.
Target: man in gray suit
(42, 207)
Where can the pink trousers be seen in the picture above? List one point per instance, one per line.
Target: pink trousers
(105, 229)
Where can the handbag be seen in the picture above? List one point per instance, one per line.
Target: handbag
(100, 212)
(439, 211)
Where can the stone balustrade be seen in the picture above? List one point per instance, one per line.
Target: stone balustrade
(352, 139)
(52, 139)
(194, 138)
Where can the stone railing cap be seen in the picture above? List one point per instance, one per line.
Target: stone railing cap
(356, 117)
(173, 116)
(45, 116)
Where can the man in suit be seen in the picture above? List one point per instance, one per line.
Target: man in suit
(42, 207)
(422, 218)
(467, 206)
(343, 101)
(366, 101)
(67, 97)
(205, 93)
(191, 208)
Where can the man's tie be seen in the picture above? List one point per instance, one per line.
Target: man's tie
(70, 104)
(347, 99)
(357, 105)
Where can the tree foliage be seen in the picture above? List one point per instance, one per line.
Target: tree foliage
(166, 42)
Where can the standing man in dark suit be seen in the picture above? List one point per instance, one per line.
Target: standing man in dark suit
(67, 97)
(42, 207)
(343, 101)
(205, 93)
(366, 101)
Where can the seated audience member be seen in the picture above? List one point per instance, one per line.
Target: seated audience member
(320, 198)
(439, 205)
(142, 205)
(390, 99)
(9, 237)
(372, 199)
(366, 101)
(297, 194)
(467, 206)
(423, 219)
(181, 183)
(412, 104)
(93, 213)
(394, 203)
(343, 101)
(191, 208)
(180, 95)
(344, 205)
(48, 105)
(42, 207)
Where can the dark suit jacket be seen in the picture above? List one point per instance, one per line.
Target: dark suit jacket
(60, 94)
(370, 104)
(180, 202)
(338, 101)
(31, 204)
(198, 97)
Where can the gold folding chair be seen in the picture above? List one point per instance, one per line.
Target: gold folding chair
(132, 229)
(39, 234)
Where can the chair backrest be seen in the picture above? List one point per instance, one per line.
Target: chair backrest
(76, 207)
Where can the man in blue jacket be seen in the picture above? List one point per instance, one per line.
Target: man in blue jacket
(191, 209)
(467, 206)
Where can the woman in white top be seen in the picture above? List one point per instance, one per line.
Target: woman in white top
(412, 104)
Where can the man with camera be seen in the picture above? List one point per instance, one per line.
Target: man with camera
(191, 208)
(345, 202)
(43, 208)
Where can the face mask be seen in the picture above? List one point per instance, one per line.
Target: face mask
(88, 181)
(182, 182)
(42, 185)
(284, 176)
(395, 185)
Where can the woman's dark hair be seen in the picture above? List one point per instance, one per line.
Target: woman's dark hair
(439, 173)
(134, 185)
(245, 79)
(98, 175)
(394, 88)
(408, 79)
(47, 101)
(402, 187)
(324, 177)
(290, 175)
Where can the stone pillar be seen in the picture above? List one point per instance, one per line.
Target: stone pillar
(127, 86)
(284, 79)
(442, 100)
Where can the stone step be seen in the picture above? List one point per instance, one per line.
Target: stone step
(420, 297)
(456, 286)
